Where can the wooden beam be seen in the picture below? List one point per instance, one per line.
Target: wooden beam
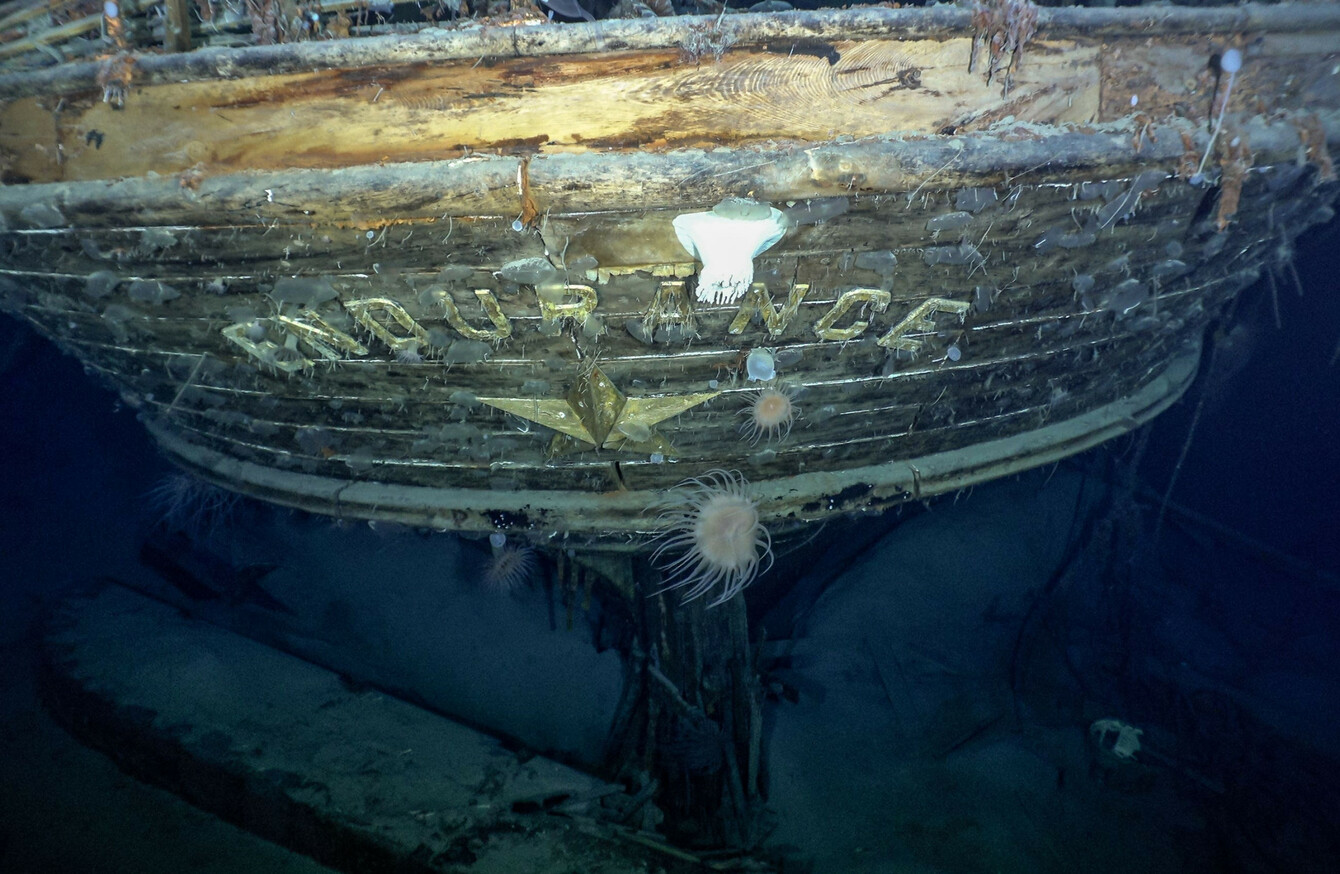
(177, 33)
(421, 112)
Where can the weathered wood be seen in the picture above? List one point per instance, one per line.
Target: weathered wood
(971, 271)
(436, 44)
(419, 100)
(704, 697)
(177, 26)
(420, 112)
(450, 280)
(375, 196)
(1037, 353)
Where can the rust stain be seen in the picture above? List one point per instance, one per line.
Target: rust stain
(1313, 136)
(529, 211)
(581, 68)
(1237, 160)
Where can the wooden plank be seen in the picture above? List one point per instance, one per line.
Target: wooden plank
(610, 507)
(469, 41)
(177, 30)
(421, 112)
(372, 196)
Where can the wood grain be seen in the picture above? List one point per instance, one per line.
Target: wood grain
(577, 103)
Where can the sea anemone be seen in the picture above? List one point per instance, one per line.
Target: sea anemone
(409, 354)
(715, 525)
(726, 241)
(510, 566)
(188, 505)
(769, 413)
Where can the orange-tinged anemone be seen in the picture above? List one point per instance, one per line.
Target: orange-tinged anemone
(714, 523)
(770, 414)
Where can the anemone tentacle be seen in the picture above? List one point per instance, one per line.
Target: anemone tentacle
(714, 524)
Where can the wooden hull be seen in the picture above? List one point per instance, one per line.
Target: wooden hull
(439, 279)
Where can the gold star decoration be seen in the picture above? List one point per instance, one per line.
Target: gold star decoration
(595, 414)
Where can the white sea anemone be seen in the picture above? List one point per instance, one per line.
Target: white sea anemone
(188, 505)
(510, 565)
(409, 354)
(715, 525)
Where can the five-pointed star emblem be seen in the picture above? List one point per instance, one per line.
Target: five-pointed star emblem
(595, 414)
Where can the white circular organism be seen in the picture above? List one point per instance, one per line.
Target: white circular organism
(760, 366)
(1231, 61)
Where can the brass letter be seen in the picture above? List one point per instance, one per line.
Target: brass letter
(878, 301)
(266, 351)
(670, 305)
(920, 319)
(758, 300)
(322, 337)
(553, 307)
(364, 312)
(502, 326)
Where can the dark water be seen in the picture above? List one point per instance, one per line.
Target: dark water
(1245, 569)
